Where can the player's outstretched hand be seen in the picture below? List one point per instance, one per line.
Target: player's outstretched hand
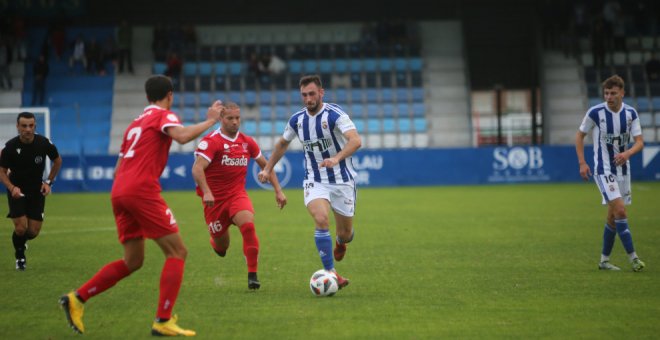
(328, 162)
(281, 199)
(263, 176)
(208, 199)
(215, 110)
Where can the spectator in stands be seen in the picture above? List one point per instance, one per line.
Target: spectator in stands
(653, 68)
(189, 37)
(276, 66)
(5, 62)
(40, 71)
(125, 43)
(94, 58)
(159, 44)
(78, 54)
(174, 66)
(19, 34)
(109, 50)
(57, 36)
(253, 65)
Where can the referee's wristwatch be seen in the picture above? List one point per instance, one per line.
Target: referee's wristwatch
(49, 182)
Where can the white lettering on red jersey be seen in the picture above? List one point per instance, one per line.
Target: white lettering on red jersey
(144, 151)
(228, 162)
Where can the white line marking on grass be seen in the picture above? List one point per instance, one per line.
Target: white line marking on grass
(69, 231)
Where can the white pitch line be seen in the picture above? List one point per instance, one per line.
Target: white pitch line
(69, 231)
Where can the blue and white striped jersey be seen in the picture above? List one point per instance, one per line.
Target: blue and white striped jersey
(612, 134)
(322, 137)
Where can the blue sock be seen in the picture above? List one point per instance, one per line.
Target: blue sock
(624, 235)
(609, 235)
(324, 246)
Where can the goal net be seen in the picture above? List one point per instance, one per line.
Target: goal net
(8, 124)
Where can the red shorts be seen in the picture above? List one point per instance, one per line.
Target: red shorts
(140, 217)
(218, 217)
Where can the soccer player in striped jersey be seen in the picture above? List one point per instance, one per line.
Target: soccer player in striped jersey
(613, 126)
(329, 139)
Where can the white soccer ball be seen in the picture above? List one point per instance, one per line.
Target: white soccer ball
(323, 283)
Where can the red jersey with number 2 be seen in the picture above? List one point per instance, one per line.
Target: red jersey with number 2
(144, 151)
(229, 159)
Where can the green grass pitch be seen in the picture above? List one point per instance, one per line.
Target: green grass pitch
(505, 261)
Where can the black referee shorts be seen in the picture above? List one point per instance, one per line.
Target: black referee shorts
(31, 205)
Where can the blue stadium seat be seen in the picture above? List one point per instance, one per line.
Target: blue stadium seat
(643, 103)
(280, 124)
(646, 119)
(189, 115)
(596, 101)
(385, 64)
(282, 112)
(220, 67)
(371, 95)
(341, 65)
(370, 65)
(417, 94)
(234, 96)
(265, 97)
(387, 95)
(374, 125)
(249, 127)
(309, 66)
(250, 97)
(656, 103)
(325, 66)
(265, 127)
(205, 99)
(159, 68)
(415, 64)
(220, 83)
(190, 99)
(356, 95)
(265, 112)
(235, 68)
(281, 97)
(356, 110)
(418, 109)
(403, 109)
(373, 111)
(400, 64)
(419, 124)
(389, 110)
(190, 69)
(295, 67)
(389, 125)
(355, 65)
(401, 94)
(404, 125)
(205, 68)
(341, 96)
(359, 124)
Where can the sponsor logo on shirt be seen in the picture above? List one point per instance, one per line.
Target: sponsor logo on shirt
(228, 161)
(322, 144)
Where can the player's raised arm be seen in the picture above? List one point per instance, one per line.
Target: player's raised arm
(185, 134)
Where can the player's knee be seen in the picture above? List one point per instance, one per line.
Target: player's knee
(321, 220)
(134, 263)
(619, 213)
(20, 230)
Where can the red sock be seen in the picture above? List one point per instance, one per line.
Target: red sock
(170, 283)
(105, 278)
(250, 246)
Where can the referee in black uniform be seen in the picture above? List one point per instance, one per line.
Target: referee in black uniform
(22, 164)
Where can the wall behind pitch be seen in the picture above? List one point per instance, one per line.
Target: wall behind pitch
(411, 167)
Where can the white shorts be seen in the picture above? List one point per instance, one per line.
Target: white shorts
(612, 187)
(341, 196)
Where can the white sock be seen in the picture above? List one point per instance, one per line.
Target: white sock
(604, 258)
(632, 256)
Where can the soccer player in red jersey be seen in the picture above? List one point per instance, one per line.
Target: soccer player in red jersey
(140, 211)
(221, 163)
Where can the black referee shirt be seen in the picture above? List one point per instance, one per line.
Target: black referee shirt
(26, 162)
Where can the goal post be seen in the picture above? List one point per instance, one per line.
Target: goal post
(8, 130)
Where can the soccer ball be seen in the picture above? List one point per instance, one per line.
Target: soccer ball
(323, 283)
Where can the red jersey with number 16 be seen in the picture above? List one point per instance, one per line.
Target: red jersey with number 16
(144, 151)
(229, 159)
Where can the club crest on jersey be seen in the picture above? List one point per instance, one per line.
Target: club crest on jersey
(245, 146)
(172, 117)
(324, 125)
(203, 145)
(18, 151)
(38, 160)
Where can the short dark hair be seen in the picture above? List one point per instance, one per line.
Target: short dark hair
(613, 81)
(311, 78)
(25, 114)
(157, 87)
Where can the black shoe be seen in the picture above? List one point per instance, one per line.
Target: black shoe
(20, 264)
(253, 282)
